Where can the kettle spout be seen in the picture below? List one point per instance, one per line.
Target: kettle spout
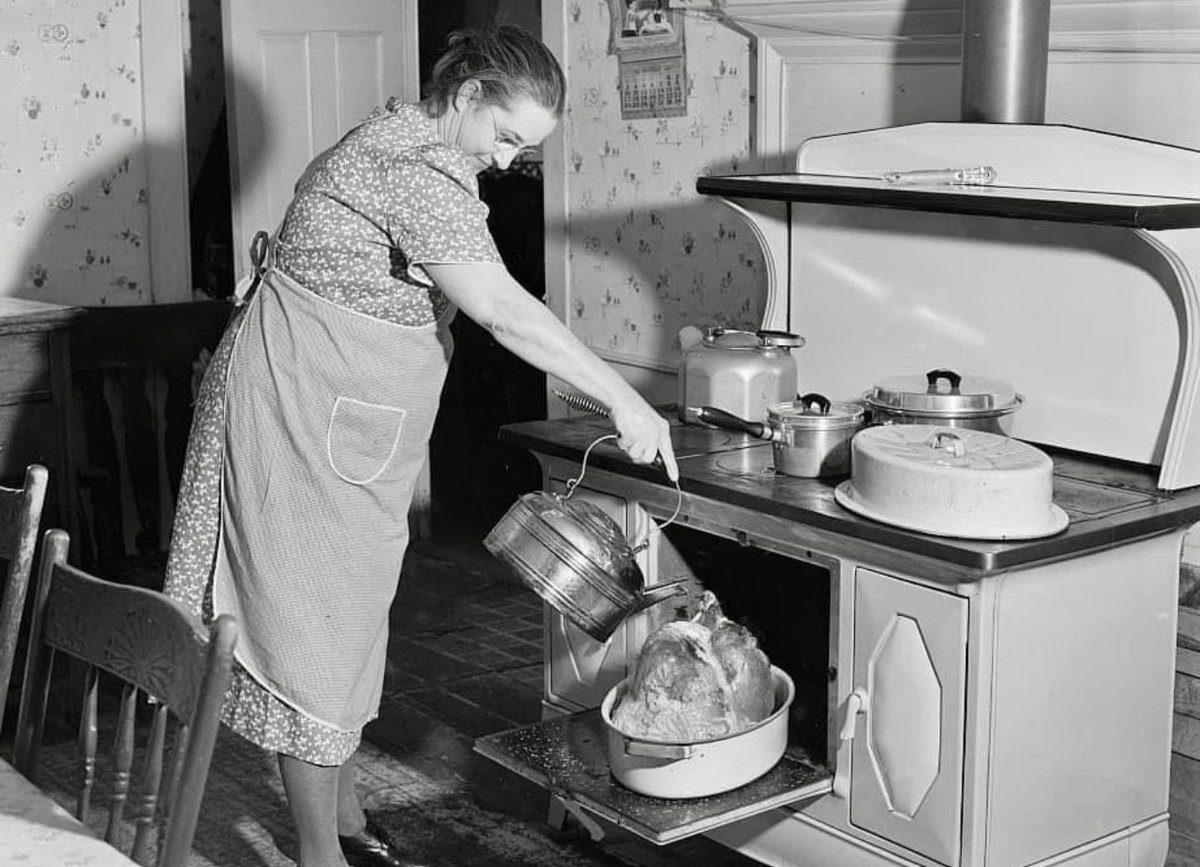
(659, 593)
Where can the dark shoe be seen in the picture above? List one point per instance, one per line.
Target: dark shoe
(372, 847)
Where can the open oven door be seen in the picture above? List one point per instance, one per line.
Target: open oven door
(568, 755)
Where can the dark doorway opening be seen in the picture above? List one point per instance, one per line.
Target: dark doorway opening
(474, 477)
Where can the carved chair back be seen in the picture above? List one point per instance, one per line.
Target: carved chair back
(165, 660)
(20, 514)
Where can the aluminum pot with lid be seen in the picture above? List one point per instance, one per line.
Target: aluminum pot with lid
(945, 397)
(740, 372)
(810, 437)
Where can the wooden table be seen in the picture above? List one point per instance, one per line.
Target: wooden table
(36, 832)
(35, 393)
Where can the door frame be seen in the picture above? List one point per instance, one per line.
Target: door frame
(164, 139)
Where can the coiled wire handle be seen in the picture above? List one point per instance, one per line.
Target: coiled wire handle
(573, 483)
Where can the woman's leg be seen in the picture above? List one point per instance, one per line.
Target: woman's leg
(364, 841)
(312, 793)
(350, 816)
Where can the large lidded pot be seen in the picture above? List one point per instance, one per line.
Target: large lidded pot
(947, 398)
(741, 372)
(576, 558)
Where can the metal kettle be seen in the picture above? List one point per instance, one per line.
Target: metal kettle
(576, 558)
(741, 372)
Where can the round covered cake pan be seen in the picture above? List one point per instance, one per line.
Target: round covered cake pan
(665, 769)
(961, 483)
(1055, 521)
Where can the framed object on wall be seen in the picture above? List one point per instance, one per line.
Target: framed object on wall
(647, 38)
(645, 27)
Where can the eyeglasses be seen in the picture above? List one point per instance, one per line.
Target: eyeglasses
(505, 142)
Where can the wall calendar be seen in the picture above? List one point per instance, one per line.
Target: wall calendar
(653, 88)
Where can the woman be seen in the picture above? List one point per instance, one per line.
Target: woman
(314, 415)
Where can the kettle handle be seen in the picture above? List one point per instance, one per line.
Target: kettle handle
(781, 339)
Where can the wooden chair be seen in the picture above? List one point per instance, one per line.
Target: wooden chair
(20, 513)
(155, 646)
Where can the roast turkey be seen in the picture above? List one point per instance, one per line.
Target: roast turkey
(695, 680)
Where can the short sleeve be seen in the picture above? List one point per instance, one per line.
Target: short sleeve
(435, 218)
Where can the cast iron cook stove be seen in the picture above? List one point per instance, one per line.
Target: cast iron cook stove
(985, 704)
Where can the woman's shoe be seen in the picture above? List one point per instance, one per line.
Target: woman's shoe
(372, 847)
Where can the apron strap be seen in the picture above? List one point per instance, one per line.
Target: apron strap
(261, 260)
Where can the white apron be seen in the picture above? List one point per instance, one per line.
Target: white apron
(327, 417)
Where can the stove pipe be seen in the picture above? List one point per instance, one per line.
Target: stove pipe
(1005, 48)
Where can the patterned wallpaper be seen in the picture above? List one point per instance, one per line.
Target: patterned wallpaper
(647, 254)
(73, 216)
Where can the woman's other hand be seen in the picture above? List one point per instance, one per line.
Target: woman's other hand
(643, 434)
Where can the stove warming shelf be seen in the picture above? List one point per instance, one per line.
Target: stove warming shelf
(1124, 210)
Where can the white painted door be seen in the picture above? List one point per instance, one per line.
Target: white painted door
(910, 657)
(299, 74)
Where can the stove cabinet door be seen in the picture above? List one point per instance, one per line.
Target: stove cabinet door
(909, 686)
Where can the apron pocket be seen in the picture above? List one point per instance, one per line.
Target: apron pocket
(362, 439)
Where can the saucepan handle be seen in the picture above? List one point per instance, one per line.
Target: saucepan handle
(729, 421)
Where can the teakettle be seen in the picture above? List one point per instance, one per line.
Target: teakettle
(741, 372)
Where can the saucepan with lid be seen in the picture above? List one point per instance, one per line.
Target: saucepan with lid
(576, 558)
(945, 397)
(810, 437)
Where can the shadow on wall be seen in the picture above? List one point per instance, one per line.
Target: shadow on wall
(135, 369)
(92, 245)
(639, 275)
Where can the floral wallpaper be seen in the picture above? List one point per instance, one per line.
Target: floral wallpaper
(73, 215)
(648, 254)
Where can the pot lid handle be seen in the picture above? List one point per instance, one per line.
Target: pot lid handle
(939, 373)
(949, 441)
(807, 401)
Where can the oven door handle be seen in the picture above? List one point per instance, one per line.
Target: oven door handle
(859, 701)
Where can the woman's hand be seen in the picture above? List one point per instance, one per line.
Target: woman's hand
(643, 434)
